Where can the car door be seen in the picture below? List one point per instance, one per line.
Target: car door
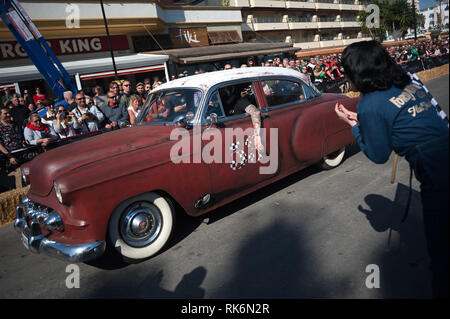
(229, 145)
(289, 103)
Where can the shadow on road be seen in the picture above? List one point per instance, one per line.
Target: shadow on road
(275, 262)
(404, 261)
(128, 285)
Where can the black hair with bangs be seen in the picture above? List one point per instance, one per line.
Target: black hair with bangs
(368, 65)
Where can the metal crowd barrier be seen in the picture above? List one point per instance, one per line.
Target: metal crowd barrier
(343, 86)
(26, 154)
(425, 63)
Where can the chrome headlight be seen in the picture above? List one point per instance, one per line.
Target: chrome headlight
(28, 204)
(54, 222)
(58, 192)
(25, 172)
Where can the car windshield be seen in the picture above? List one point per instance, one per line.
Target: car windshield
(169, 106)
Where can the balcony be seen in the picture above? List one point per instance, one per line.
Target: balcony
(300, 4)
(331, 43)
(329, 24)
(265, 26)
(307, 45)
(327, 4)
(348, 5)
(239, 3)
(350, 24)
(268, 3)
(265, 23)
(293, 25)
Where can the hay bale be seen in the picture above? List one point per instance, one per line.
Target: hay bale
(433, 73)
(8, 203)
(352, 94)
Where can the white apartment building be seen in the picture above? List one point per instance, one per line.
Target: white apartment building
(432, 15)
(307, 24)
(76, 31)
(416, 3)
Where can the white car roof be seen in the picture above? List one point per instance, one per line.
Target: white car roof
(205, 81)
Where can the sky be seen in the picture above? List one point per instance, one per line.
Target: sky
(426, 3)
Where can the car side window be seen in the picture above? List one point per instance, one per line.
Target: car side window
(214, 105)
(279, 92)
(310, 92)
(236, 97)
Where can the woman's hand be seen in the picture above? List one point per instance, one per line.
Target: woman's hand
(351, 118)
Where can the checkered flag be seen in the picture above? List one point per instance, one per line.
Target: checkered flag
(415, 79)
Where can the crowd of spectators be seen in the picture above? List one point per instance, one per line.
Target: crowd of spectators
(21, 126)
(419, 50)
(326, 68)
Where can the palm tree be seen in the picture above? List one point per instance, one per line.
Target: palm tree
(375, 33)
(395, 17)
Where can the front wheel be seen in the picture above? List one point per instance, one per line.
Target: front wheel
(141, 226)
(332, 160)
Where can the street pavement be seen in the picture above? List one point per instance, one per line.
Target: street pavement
(314, 234)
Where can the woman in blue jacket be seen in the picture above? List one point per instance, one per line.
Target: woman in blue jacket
(396, 113)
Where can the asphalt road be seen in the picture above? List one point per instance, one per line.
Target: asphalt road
(310, 235)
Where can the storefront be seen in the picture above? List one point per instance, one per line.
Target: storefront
(90, 72)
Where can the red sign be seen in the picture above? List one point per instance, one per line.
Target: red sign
(13, 50)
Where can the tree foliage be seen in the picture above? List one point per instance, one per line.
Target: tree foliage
(395, 17)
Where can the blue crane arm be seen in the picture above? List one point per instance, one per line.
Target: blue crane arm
(37, 49)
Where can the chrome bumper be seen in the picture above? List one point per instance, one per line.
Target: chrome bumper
(34, 241)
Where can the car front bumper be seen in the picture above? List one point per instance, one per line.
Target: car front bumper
(34, 241)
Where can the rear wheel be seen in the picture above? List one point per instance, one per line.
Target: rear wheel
(141, 226)
(332, 160)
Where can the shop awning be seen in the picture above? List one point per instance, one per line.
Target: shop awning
(91, 68)
(226, 51)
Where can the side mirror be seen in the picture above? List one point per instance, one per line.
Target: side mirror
(184, 119)
(214, 121)
(214, 118)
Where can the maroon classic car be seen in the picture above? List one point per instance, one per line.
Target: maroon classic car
(192, 146)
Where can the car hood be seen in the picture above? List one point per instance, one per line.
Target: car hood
(46, 167)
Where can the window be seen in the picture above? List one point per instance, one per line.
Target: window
(166, 106)
(311, 91)
(279, 92)
(214, 105)
(235, 97)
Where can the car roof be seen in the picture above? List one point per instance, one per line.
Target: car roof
(205, 81)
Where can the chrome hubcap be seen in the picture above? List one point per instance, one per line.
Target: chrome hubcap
(140, 224)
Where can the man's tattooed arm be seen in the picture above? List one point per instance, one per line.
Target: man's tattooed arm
(255, 114)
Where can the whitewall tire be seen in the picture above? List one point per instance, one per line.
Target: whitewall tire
(140, 227)
(332, 160)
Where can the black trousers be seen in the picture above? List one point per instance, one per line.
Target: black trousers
(430, 162)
